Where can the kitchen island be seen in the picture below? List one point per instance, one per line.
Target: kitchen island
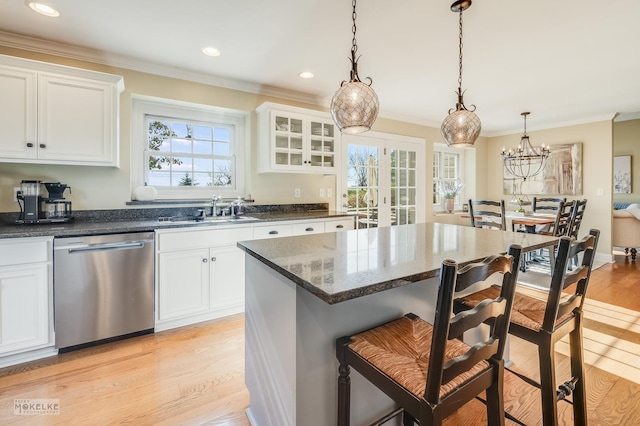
(304, 292)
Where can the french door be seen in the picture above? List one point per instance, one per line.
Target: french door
(382, 179)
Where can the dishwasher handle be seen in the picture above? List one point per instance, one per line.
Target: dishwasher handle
(107, 246)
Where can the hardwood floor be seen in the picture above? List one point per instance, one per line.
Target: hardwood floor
(195, 375)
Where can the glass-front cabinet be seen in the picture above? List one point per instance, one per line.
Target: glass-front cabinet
(296, 140)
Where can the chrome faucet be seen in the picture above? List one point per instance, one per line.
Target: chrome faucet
(214, 205)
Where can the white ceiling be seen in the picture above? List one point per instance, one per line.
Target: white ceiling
(566, 61)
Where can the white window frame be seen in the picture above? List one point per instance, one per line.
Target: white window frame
(439, 149)
(142, 106)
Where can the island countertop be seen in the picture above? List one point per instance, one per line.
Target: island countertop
(337, 267)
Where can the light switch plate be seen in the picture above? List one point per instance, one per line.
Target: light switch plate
(329, 192)
(296, 193)
(321, 192)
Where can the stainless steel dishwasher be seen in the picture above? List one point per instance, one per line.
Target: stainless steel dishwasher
(103, 287)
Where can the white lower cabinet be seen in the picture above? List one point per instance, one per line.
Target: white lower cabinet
(302, 227)
(200, 275)
(26, 314)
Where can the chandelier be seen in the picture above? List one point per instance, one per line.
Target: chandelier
(462, 126)
(354, 106)
(525, 161)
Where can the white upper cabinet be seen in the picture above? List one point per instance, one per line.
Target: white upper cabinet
(52, 114)
(296, 140)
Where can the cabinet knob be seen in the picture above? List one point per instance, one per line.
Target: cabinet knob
(213, 259)
(309, 229)
(273, 232)
(205, 260)
(29, 145)
(42, 145)
(339, 226)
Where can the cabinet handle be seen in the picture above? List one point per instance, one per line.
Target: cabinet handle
(42, 145)
(205, 260)
(273, 232)
(339, 226)
(29, 145)
(309, 229)
(213, 259)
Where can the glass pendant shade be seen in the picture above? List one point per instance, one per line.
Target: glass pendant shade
(461, 128)
(354, 107)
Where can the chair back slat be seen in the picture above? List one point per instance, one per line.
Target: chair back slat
(545, 204)
(488, 214)
(447, 327)
(562, 278)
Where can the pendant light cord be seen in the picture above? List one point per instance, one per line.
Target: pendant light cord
(460, 56)
(354, 45)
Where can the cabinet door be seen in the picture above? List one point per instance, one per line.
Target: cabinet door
(288, 142)
(322, 146)
(76, 119)
(17, 113)
(183, 283)
(24, 307)
(227, 265)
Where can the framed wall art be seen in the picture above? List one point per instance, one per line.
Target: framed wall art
(562, 174)
(622, 174)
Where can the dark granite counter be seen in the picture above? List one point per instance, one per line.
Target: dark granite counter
(341, 266)
(115, 221)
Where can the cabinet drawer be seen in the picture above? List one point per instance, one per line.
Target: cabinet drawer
(271, 231)
(344, 224)
(306, 228)
(202, 238)
(23, 251)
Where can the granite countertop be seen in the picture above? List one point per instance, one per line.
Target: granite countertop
(107, 225)
(337, 267)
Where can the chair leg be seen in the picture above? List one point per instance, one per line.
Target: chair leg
(495, 397)
(344, 395)
(577, 372)
(407, 419)
(546, 358)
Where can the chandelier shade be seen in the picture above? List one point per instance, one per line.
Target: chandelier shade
(462, 126)
(354, 106)
(525, 161)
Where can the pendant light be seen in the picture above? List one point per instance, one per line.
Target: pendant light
(462, 126)
(354, 106)
(525, 161)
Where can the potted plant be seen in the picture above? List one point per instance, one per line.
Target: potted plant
(449, 190)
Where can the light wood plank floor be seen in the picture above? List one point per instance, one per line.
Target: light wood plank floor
(194, 375)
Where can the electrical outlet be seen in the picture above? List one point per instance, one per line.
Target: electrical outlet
(329, 192)
(296, 193)
(15, 194)
(321, 192)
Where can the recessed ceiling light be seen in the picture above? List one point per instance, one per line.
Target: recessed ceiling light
(306, 74)
(43, 9)
(211, 51)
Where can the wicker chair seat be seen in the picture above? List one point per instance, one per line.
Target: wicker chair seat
(401, 350)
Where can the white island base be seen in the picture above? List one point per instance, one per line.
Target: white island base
(291, 369)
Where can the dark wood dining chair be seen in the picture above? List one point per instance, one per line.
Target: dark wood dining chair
(427, 369)
(560, 228)
(488, 214)
(545, 322)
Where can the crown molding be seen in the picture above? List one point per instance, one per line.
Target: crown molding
(585, 120)
(80, 53)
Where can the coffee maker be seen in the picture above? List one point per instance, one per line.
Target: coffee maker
(37, 209)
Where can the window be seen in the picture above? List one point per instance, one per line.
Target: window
(187, 151)
(447, 168)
